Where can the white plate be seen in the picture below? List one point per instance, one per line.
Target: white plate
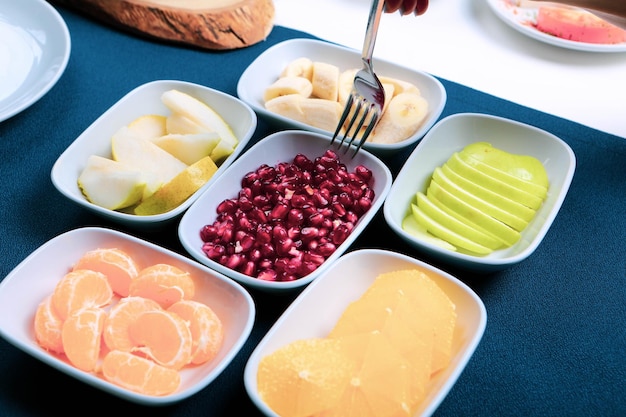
(34, 51)
(523, 19)
(320, 305)
(36, 276)
(279, 147)
(264, 70)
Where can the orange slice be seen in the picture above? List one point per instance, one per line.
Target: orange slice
(304, 377)
(81, 335)
(163, 283)
(81, 289)
(206, 328)
(139, 374)
(120, 316)
(118, 266)
(48, 327)
(162, 336)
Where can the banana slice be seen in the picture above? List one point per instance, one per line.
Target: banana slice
(288, 85)
(325, 80)
(299, 67)
(404, 115)
(321, 113)
(400, 86)
(288, 106)
(346, 81)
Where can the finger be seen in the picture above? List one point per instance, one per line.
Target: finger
(408, 6)
(420, 7)
(392, 6)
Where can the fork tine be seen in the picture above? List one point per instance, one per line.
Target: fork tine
(344, 116)
(360, 125)
(357, 110)
(368, 130)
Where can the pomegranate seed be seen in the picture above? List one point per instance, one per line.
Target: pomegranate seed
(248, 268)
(267, 275)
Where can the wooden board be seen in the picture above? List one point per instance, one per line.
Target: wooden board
(208, 24)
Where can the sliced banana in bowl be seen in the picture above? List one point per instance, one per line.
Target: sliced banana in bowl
(304, 83)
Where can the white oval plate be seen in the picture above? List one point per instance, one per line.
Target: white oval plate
(523, 18)
(34, 51)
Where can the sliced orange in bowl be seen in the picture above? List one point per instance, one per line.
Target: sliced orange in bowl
(118, 266)
(80, 289)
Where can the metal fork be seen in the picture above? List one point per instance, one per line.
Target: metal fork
(368, 95)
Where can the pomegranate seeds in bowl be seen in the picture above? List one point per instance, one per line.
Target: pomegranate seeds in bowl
(286, 208)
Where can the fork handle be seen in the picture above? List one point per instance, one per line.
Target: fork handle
(372, 30)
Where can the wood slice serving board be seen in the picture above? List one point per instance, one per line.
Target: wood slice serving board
(208, 24)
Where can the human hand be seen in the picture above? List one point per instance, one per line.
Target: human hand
(417, 7)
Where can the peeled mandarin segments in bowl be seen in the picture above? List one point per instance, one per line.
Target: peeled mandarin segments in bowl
(81, 289)
(81, 335)
(120, 317)
(118, 266)
(163, 283)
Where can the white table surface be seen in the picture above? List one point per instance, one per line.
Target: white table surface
(465, 42)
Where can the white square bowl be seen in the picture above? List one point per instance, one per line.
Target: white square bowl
(143, 100)
(452, 134)
(264, 70)
(315, 311)
(278, 147)
(35, 278)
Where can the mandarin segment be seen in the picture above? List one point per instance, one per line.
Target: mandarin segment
(118, 266)
(80, 289)
(48, 327)
(163, 283)
(206, 328)
(120, 316)
(162, 336)
(304, 377)
(81, 335)
(139, 374)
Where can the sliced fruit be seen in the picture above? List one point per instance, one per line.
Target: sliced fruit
(206, 329)
(117, 265)
(346, 81)
(149, 126)
(321, 113)
(288, 85)
(404, 115)
(199, 113)
(325, 81)
(159, 166)
(400, 86)
(81, 289)
(48, 326)
(522, 171)
(162, 336)
(411, 226)
(299, 67)
(163, 283)
(139, 374)
(189, 148)
(82, 335)
(288, 106)
(121, 315)
(578, 25)
(304, 377)
(180, 124)
(179, 189)
(111, 184)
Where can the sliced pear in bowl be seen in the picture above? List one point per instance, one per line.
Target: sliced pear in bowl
(177, 190)
(190, 147)
(111, 184)
(149, 126)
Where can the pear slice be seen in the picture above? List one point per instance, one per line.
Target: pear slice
(457, 226)
(179, 189)
(160, 166)
(523, 171)
(178, 123)
(487, 181)
(494, 227)
(189, 148)
(498, 200)
(111, 184)
(412, 227)
(479, 204)
(199, 113)
(446, 234)
(148, 126)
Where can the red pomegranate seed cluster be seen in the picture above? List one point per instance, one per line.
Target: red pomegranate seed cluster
(288, 219)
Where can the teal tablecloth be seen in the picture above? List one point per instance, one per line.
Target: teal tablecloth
(555, 342)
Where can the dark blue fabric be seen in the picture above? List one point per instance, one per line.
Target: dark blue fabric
(555, 342)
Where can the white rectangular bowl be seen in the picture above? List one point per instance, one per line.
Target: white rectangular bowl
(36, 277)
(143, 100)
(319, 306)
(452, 134)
